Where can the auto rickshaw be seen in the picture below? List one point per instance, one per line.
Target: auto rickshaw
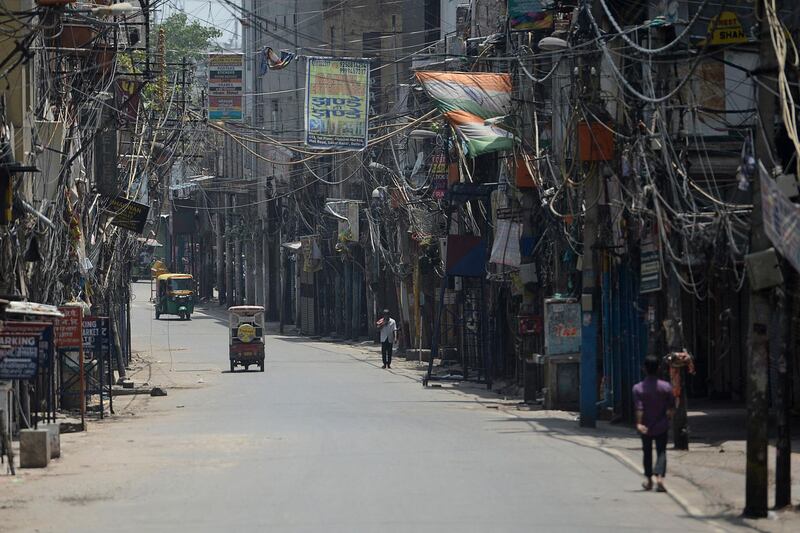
(246, 334)
(174, 295)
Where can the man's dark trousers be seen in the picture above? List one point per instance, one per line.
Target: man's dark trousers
(386, 352)
(661, 454)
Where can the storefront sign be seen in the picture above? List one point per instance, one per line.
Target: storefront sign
(337, 103)
(128, 214)
(225, 86)
(725, 28)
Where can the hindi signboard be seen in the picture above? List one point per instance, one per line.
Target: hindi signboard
(337, 103)
(225, 72)
(69, 331)
(128, 214)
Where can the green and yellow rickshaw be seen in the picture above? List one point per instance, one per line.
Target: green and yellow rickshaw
(174, 295)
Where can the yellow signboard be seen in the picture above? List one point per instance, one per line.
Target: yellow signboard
(725, 28)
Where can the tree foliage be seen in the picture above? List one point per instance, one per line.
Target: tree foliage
(186, 39)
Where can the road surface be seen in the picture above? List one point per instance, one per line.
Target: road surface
(324, 442)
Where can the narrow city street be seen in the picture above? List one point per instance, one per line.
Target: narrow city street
(321, 441)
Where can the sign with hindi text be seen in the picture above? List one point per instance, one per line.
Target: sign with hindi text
(20, 349)
(337, 103)
(69, 331)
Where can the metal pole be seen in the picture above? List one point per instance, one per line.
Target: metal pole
(756, 483)
(82, 388)
(783, 443)
(220, 258)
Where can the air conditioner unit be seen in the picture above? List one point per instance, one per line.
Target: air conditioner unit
(455, 45)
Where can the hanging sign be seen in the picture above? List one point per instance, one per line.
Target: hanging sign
(725, 28)
(649, 267)
(439, 175)
(225, 74)
(337, 103)
(128, 214)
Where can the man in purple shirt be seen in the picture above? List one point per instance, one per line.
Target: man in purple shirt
(654, 404)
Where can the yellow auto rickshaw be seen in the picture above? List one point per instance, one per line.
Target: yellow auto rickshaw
(246, 335)
(174, 295)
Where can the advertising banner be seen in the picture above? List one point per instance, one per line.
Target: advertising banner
(225, 73)
(337, 103)
(467, 99)
(527, 15)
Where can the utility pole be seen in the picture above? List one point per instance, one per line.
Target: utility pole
(229, 301)
(590, 304)
(756, 484)
(220, 256)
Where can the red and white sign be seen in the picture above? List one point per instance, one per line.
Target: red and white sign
(69, 330)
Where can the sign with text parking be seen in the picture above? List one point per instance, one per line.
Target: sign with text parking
(337, 103)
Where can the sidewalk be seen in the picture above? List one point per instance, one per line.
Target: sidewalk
(708, 480)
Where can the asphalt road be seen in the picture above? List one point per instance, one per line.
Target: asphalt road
(324, 442)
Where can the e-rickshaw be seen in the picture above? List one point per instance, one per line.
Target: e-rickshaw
(174, 295)
(246, 333)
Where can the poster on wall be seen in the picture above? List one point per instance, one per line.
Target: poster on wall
(225, 86)
(562, 326)
(337, 103)
(529, 15)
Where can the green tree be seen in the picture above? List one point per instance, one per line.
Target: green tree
(191, 40)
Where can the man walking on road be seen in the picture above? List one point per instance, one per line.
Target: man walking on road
(654, 404)
(388, 337)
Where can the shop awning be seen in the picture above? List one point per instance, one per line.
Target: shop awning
(33, 308)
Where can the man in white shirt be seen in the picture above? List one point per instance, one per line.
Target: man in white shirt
(388, 337)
